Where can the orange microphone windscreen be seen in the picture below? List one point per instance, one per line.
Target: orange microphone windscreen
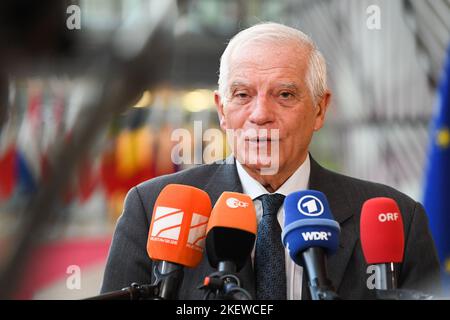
(178, 228)
(231, 230)
(233, 210)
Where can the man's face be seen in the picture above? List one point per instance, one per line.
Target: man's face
(267, 89)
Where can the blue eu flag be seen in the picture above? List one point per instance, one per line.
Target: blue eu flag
(437, 186)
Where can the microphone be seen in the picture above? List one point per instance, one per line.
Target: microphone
(177, 235)
(176, 239)
(382, 239)
(310, 234)
(230, 238)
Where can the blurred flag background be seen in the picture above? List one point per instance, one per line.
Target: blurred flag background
(437, 185)
(92, 91)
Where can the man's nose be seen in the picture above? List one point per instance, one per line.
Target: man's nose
(262, 111)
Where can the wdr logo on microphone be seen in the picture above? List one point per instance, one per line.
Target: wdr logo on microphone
(167, 225)
(316, 235)
(310, 206)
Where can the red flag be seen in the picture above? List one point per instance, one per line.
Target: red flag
(8, 165)
(87, 180)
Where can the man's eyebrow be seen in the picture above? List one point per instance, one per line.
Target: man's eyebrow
(235, 84)
(289, 85)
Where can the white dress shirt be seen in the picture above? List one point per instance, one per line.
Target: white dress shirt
(297, 181)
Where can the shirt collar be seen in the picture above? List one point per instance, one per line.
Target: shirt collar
(297, 181)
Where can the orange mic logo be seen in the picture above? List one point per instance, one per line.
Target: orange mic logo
(178, 228)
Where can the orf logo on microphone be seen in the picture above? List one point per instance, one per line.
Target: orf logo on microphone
(235, 203)
(310, 206)
(390, 216)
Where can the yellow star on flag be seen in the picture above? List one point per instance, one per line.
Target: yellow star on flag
(447, 266)
(443, 138)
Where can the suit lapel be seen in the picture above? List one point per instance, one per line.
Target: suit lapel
(225, 178)
(342, 210)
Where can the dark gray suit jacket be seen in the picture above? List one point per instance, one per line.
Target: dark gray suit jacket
(128, 260)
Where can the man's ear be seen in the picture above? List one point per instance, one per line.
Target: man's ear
(219, 106)
(321, 109)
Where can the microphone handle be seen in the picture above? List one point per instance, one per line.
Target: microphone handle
(314, 260)
(114, 295)
(166, 286)
(168, 278)
(133, 292)
(387, 279)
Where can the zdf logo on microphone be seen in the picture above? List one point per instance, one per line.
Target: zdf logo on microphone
(235, 203)
(310, 206)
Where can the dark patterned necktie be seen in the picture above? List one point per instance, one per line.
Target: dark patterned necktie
(269, 253)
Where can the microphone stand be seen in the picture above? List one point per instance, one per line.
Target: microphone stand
(224, 284)
(320, 287)
(387, 280)
(133, 292)
(402, 294)
(387, 289)
(166, 286)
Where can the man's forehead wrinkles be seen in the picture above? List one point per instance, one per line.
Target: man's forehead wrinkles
(288, 85)
(239, 83)
(281, 83)
(262, 68)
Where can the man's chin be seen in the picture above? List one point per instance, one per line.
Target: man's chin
(264, 166)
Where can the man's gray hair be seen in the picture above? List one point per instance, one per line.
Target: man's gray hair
(316, 77)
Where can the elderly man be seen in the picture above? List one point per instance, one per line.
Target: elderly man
(273, 81)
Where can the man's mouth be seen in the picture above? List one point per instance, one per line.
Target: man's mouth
(261, 140)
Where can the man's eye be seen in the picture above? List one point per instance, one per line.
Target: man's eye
(286, 95)
(242, 95)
